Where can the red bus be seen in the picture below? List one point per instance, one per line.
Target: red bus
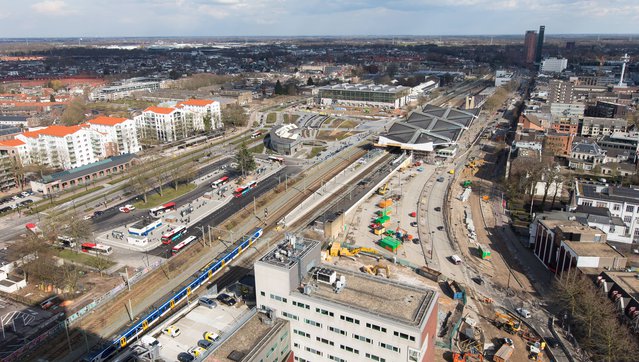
(243, 190)
(220, 182)
(276, 159)
(179, 247)
(173, 235)
(160, 210)
(96, 248)
(256, 134)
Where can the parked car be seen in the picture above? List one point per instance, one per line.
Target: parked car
(172, 331)
(438, 208)
(185, 357)
(211, 336)
(196, 351)
(97, 213)
(226, 299)
(415, 241)
(552, 342)
(524, 312)
(127, 208)
(24, 194)
(440, 179)
(5, 209)
(507, 341)
(440, 228)
(207, 302)
(479, 280)
(204, 343)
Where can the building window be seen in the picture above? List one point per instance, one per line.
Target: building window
(375, 358)
(616, 207)
(313, 323)
(601, 204)
(309, 349)
(630, 208)
(388, 346)
(337, 330)
(362, 338)
(336, 359)
(375, 327)
(284, 335)
(263, 294)
(301, 333)
(348, 349)
(301, 305)
(278, 298)
(289, 315)
(627, 219)
(324, 312)
(325, 341)
(404, 336)
(300, 359)
(349, 319)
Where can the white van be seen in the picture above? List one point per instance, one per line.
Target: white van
(455, 259)
(150, 341)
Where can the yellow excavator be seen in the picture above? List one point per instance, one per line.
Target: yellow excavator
(375, 269)
(336, 249)
(509, 323)
(382, 190)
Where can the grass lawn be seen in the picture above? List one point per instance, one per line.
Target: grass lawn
(86, 259)
(169, 193)
(257, 149)
(316, 151)
(271, 118)
(346, 124)
(45, 204)
(333, 135)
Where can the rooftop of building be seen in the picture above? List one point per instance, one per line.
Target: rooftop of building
(590, 121)
(88, 169)
(196, 102)
(607, 192)
(386, 298)
(54, 131)
(287, 254)
(246, 339)
(602, 250)
(106, 121)
(378, 88)
(628, 281)
(432, 124)
(587, 147)
(11, 143)
(286, 132)
(160, 110)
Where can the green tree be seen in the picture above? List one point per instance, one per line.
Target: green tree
(234, 114)
(278, 88)
(392, 69)
(208, 122)
(310, 81)
(245, 160)
(51, 98)
(74, 112)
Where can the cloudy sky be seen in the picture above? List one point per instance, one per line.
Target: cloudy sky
(77, 18)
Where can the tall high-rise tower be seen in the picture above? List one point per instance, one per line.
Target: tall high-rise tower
(540, 44)
(625, 59)
(529, 46)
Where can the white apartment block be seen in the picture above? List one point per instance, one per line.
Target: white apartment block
(164, 124)
(554, 65)
(118, 136)
(200, 109)
(341, 315)
(622, 202)
(60, 146)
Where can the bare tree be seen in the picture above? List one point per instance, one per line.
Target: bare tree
(140, 182)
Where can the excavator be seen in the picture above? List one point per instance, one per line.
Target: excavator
(467, 357)
(336, 249)
(374, 269)
(511, 324)
(382, 190)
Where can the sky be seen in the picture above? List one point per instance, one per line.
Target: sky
(132, 18)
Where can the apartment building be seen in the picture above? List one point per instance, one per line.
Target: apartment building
(202, 108)
(623, 202)
(600, 126)
(341, 315)
(60, 146)
(164, 124)
(117, 136)
(560, 91)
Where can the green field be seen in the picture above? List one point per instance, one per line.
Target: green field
(85, 259)
(168, 194)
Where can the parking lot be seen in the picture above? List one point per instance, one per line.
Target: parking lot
(195, 324)
(21, 200)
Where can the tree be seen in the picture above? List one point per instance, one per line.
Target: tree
(54, 84)
(558, 180)
(174, 74)
(184, 173)
(140, 182)
(74, 112)
(52, 98)
(291, 89)
(278, 88)
(596, 170)
(244, 159)
(392, 69)
(310, 81)
(234, 114)
(208, 122)
(550, 175)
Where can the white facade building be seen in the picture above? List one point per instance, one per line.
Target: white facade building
(341, 315)
(117, 136)
(200, 109)
(164, 124)
(554, 65)
(503, 77)
(60, 146)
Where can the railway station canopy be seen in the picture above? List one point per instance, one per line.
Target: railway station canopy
(429, 128)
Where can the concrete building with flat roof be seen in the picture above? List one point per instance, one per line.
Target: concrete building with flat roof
(622, 287)
(358, 95)
(284, 139)
(337, 314)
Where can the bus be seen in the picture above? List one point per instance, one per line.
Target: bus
(179, 247)
(256, 134)
(64, 241)
(98, 249)
(243, 190)
(173, 235)
(220, 182)
(160, 210)
(276, 159)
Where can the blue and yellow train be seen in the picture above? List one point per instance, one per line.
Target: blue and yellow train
(143, 325)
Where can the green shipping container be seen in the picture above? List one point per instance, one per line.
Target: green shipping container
(390, 243)
(485, 252)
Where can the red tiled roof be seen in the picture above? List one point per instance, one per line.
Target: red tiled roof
(106, 121)
(162, 110)
(196, 102)
(11, 143)
(55, 131)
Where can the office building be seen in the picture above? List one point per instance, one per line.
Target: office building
(117, 136)
(567, 109)
(359, 95)
(599, 126)
(560, 92)
(125, 88)
(337, 314)
(540, 44)
(530, 41)
(502, 77)
(553, 65)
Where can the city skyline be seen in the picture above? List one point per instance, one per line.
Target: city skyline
(157, 18)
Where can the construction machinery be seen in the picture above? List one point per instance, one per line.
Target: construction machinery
(382, 190)
(375, 269)
(336, 249)
(468, 357)
(509, 323)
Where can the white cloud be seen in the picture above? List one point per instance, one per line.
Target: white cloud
(52, 7)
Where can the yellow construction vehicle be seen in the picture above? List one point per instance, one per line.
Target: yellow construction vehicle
(382, 190)
(336, 249)
(375, 269)
(510, 323)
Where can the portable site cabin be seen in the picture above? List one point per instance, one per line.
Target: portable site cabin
(485, 252)
(390, 243)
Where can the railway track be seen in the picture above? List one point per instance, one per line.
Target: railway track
(56, 349)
